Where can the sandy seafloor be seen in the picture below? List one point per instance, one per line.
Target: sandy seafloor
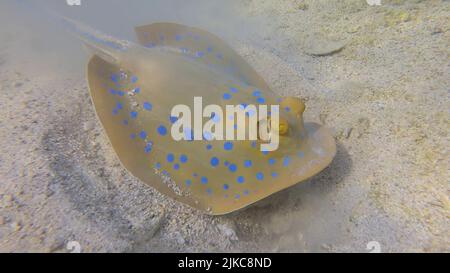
(385, 96)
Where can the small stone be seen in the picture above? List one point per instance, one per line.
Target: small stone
(436, 30)
(395, 17)
(323, 46)
(88, 126)
(347, 132)
(15, 226)
(363, 126)
(302, 6)
(179, 238)
(7, 200)
(228, 230)
(326, 247)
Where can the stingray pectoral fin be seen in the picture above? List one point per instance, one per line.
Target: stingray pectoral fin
(202, 45)
(272, 173)
(108, 93)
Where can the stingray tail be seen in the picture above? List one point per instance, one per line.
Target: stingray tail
(105, 46)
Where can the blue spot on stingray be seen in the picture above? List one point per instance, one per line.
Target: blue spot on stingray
(125, 122)
(243, 106)
(240, 179)
(254, 144)
(226, 96)
(301, 154)
(137, 90)
(158, 165)
(286, 161)
(260, 176)
(121, 93)
(176, 166)
(207, 136)
(228, 146)
(115, 78)
(261, 100)
(246, 192)
(200, 54)
(162, 130)
(226, 163)
(134, 79)
(188, 134)
(215, 118)
(143, 134)
(188, 182)
(183, 158)
(147, 106)
(133, 114)
(271, 161)
(132, 135)
(173, 119)
(115, 111)
(226, 186)
(208, 147)
(256, 93)
(112, 91)
(209, 191)
(119, 106)
(233, 90)
(178, 37)
(232, 168)
(247, 163)
(237, 196)
(274, 174)
(148, 147)
(214, 161)
(265, 152)
(204, 180)
(209, 49)
(250, 112)
(287, 109)
(170, 158)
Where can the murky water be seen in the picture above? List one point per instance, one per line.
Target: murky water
(376, 75)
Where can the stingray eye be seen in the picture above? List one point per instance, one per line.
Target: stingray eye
(294, 105)
(282, 128)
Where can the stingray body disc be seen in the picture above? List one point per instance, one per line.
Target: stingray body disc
(134, 105)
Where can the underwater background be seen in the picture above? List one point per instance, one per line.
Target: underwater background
(376, 75)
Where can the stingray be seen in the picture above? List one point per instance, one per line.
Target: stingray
(133, 87)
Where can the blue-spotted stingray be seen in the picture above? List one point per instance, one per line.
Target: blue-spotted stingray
(133, 87)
